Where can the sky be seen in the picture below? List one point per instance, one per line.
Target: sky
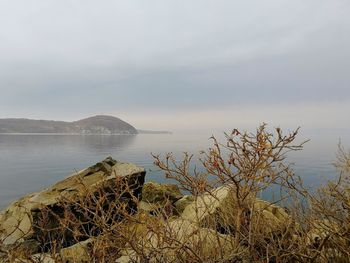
(178, 65)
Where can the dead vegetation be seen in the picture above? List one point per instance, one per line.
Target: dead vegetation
(222, 221)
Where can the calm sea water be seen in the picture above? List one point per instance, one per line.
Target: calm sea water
(29, 163)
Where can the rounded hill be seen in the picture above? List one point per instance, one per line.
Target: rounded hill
(104, 124)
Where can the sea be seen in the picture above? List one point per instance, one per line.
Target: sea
(31, 162)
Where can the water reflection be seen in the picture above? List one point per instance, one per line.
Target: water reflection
(29, 163)
(95, 143)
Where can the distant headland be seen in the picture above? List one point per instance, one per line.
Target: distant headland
(100, 124)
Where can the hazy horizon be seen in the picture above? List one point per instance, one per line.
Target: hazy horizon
(197, 66)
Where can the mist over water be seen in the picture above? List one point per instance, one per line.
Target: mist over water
(30, 163)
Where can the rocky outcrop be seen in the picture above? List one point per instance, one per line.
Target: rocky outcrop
(158, 220)
(19, 221)
(205, 224)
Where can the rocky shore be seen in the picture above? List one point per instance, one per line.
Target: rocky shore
(108, 207)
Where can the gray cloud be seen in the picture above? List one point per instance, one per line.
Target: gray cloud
(61, 59)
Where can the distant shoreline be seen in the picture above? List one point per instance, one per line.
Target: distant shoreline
(153, 132)
(88, 134)
(95, 125)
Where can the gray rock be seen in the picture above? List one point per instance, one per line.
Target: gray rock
(78, 253)
(19, 221)
(182, 203)
(218, 209)
(160, 193)
(159, 198)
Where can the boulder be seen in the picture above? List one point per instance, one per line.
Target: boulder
(182, 203)
(204, 206)
(208, 243)
(150, 208)
(180, 240)
(272, 217)
(78, 253)
(159, 198)
(160, 193)
(38, 257)
(18, 222)
(322, 229)
(42, 258)
(127, 256)
(218, 210)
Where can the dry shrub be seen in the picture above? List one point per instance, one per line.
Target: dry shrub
(247, 163)
(329, 214)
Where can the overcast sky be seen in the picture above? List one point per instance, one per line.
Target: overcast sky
(177, 65)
